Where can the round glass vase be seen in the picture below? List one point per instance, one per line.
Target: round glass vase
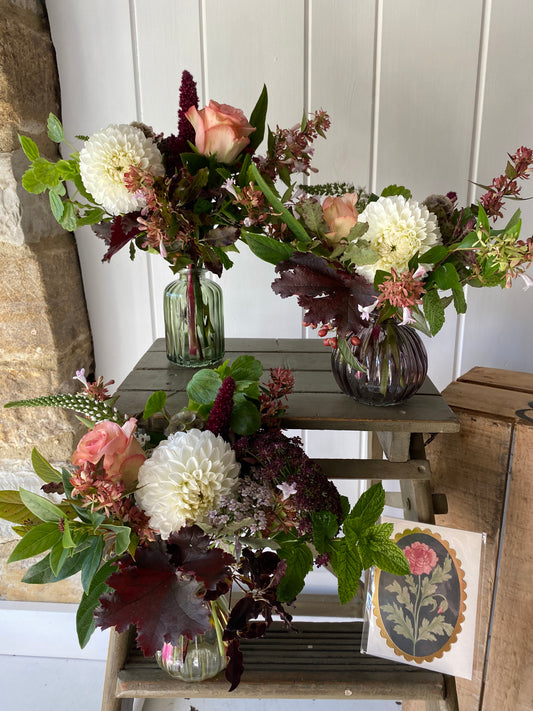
(394, 358)
(195, 659)
(194, 319)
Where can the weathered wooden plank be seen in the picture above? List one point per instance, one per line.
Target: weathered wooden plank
(119, 644)
(322, 660)
(509, 684)
(487, 400)
(470, 468)
(499, 378)
(374, 469)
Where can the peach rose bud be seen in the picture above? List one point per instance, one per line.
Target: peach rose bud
(341, 215)
(221, 130)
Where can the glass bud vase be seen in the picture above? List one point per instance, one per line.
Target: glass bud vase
(395, 361)
(194, 659)
(194, 319)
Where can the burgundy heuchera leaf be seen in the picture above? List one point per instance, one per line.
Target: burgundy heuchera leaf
(189, 552)
(329, 295)
(152, 595)
(117, 233)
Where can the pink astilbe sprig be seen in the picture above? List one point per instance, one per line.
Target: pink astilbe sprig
(505, 186)
(100, 494)
(401, 290)
(219, 418)
(291, 148)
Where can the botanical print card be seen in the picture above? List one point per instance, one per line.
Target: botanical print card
(427, 618)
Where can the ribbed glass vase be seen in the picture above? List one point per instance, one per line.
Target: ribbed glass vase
(194, 319)
(194, 659)
(395, 361)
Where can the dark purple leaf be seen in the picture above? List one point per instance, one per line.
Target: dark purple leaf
(189, 551)
(329, 295)
(150, 594)
(235, 665)
(222, 236)
(117, 233)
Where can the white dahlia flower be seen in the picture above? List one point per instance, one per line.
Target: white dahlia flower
(397, 229)
(109, 154)
(185, 478)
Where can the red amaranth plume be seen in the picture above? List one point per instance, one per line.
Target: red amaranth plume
(188, 98)
(219, 417)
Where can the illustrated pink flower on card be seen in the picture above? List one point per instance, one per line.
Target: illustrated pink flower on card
(421, 558)
(220, 129)
(121, 452)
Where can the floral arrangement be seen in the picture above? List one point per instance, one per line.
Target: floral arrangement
(172, 195)
(167, 527)
(354, 258)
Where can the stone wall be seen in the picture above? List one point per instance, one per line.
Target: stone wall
(44, 329)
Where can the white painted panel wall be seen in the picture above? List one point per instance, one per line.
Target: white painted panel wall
(426, 94)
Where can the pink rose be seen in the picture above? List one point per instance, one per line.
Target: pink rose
(221, 130)
(122, 453)
(341, 215)
(421, 558)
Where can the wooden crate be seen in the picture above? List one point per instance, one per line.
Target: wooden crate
(486, 472)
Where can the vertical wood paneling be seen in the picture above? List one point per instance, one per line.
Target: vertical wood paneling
(95, 62)
(427, 101)
(340, 81)
(239, 62)
(499, 323)
(122, 61)
(165, 48)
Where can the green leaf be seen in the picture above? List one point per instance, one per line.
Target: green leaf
(446, 276)
(434, 254)
(469, 241)
(55, 129)
(67, 541)
(325, 527)
(433, 310)
(203, 387)
(56, 205)
(267, 248)
(43, 468)
(247, 368)
(41, 573)
(41, 507)
(92, 217)
(245, 417)
(349, 357)
(69, 220)
(313, 217)
(387, 555)
(68, 169)
(67, 486)
(299, 562)
(360, 252)
(483, 220)
(155, 403)
(258, 119)
(346, 564)
(31, 184)
(89, 601)
(122, 537)
(46, 172)
(58, 556)
(368, 509)
(92, 558)
(29, 147)
(59, 189)
(396, 190)
(12, 509)
(292, 223)
(38, 539)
